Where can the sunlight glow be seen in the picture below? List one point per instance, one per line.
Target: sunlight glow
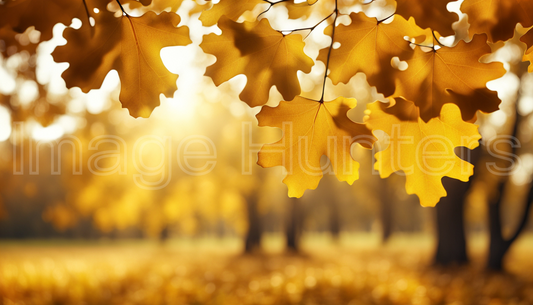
(48, 71)
(498, 118)
(98, 100)
(49, 133)
(8, 84)
(5, 124)
(506, 85)
(27, 92)
(522, 173)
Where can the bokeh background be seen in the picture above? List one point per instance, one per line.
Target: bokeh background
(230, 235)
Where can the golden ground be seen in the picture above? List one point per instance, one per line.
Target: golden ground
(357, 271)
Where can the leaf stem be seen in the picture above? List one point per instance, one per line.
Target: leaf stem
(122, 8)
(271, 5)
(386, 18)
(336, 12)
(275, 2)
(311, 28)
(434, 36)
(87, 12)
(421, 45)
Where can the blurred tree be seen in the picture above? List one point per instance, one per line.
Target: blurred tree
(451, 235)
(254, 232)
(499, 244)
(386, 213)
(293, 226)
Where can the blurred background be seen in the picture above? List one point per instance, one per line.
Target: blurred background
(149, 230)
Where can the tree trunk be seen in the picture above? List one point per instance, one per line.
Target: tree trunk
(292, 229)
(498, 244)
(451, 239)
(164, 234)
(386, 213)
(334, 221)
(253, 235)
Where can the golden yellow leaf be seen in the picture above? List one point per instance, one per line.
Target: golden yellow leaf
(528, 56)
(136, 4)
(130, 45)
(306, 9)
(429, 14)
(42, 14)
(267, 58)
(312, 129)
(450, 75)
(497, 18)
(232, 9)
(423, 151)
(368, 45)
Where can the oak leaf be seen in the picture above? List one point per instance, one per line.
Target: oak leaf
(267, 58)
(528, 56)
(130, 45)
(497, 18)
(42, 14)
(450, 75)
(368, 45)
(136, 4)
(423, 151)
(232, 9)
(429, 14)
(305, 9)
(312, 129)
(11, 44)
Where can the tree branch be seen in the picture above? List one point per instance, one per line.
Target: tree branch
(524, 219)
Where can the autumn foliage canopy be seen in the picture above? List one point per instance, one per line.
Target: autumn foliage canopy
(434, 89)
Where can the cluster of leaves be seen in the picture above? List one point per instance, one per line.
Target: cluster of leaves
(436, 96)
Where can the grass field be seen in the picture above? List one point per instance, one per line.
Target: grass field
(356, 271)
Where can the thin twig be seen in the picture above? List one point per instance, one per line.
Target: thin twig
(87, 12)
(384, 19)
(123, 11)
(271, 5)
(88, 18)
(336, 12)
(311, 28)
(434, 36)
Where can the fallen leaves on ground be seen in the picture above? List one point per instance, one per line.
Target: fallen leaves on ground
(137, 273)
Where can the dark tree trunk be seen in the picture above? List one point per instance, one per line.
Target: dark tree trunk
(498, 244)
(292, 229)
(386, 221)
(253, 235)
(386, 213)
(164, 234)
(334, 221)
(451, 239)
